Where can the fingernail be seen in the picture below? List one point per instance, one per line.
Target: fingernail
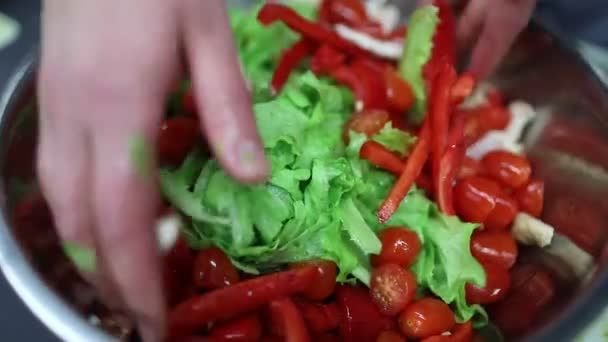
(149, 331)
(252, 160)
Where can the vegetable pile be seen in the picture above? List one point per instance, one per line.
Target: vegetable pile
(376, 224)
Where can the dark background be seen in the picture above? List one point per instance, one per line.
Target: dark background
(16, 321)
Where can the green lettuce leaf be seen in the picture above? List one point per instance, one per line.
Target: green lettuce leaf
(417, 52)
(395, 139)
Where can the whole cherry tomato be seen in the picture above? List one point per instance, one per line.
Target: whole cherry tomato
(475, 198)
(460, 333)
(392, 288)
(508, 168)
(366, 122)
(176, 138)
(531, 197)
(246, 329)
(320, 317)
(398, 92)
(425, 318)
(177, 272)
(325, 281)
(213, 269)
(469, 167)
(497, 285)
(399, 246)
(503, 213)
(390, 336)
(497, 248)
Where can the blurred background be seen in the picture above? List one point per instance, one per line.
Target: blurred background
(584, 22)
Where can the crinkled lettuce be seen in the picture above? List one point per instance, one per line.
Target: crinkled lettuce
(321, 199)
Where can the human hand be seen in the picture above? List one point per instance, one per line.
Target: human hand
(490, 27)
(106, 70)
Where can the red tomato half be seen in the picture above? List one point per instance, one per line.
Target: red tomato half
(392, 288)
(399, 246)
(508, 168)
(497, 285)
(496, 248)
(213, 269)
(425, 318)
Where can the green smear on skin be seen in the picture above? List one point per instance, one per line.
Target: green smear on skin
(83, 257)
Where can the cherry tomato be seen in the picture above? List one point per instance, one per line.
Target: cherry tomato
(351, 12)
(325, 338)
(360, 318)
(246, 329)
(469, 167)
(213, 269)
(494, 117)
(399, 246)
(497, 285)
(496, 248)
(325, 282)
(390, 336)
(188, 102)
(475, 198)
(177, 272)
(176, 138)
(531, 197)
(425, 318)
(320, 317)
(392, 288)
(285, 313)
(367, 122)
(398, 92)
(508, 168)
(461, 333)
(503, 213)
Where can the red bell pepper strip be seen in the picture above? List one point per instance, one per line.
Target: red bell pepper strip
(196, 312)
(413, 167)
(449, 167)
(289, 61)
(444, 46)
(326, 59)
(381, 157)
(285, 312)
(366, 84)
(462, 88)
(440, 110)
(272, 13)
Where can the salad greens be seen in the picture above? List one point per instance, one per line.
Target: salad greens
(321, 199)
(417, 51)
(83, 257)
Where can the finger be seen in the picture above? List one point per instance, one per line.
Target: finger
(221, 93)
(501, 27)
(470, 22)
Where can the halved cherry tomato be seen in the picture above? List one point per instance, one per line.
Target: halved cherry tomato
(398, 91)
(213, 269)
(286, 313)
(360, 318)
(246, 329)
(176, 138)
(531, 197)
(390, 336)
(366, 122)
(475, 198)
(320, 317)
(496, 248)
(497, 286)
(399, 246)
(508, 168)
(425, 318)
(469, 167)
(503, 213)
(461, 333)
(325, 282)
(392, 288)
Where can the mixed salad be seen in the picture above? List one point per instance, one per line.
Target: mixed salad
(398, 195)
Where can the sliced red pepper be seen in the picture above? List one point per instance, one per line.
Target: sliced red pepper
(444, 49)
(285, 312)
(413, 167)
(381, 157)
(462, 88)
(366, 84)
(440, 110)
(449, 167)
(326, 59)
(398, 33)
(196, 312)
(272, 12)
(289, 61)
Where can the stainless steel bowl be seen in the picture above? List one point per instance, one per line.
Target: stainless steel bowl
(568, 146)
